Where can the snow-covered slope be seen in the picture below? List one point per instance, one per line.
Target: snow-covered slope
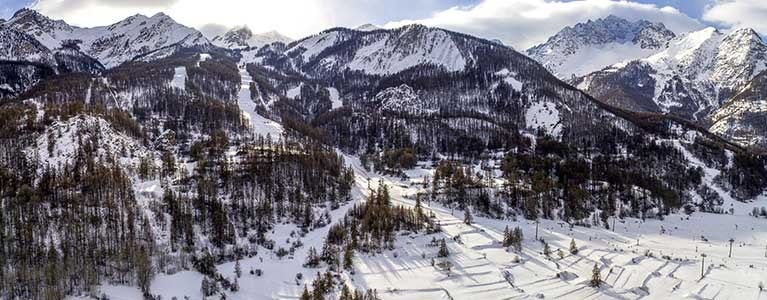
(61, 143)
(114, 44)
(591, 46)
(743, 119)
(19, 46)
(243, 37)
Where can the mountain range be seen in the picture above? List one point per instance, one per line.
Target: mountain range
(257, 166)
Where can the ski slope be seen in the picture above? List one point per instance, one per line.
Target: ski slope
(258, 123)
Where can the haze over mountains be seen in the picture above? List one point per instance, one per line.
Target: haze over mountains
(370, 163)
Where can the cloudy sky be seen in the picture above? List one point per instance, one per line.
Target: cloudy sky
(520, 23)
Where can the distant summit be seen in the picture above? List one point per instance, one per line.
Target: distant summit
(590, 46)
(242, 37)
(367, 27)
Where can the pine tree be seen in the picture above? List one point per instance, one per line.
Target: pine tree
(573, 247)
(235, 285)
(418, 209)
(312, 259)
(517, 239)
(596, 278)
(443, 252)
(345, 293)
(306, 295)
(506, 237)
(348, 255)
(237, 269)
(144, 270)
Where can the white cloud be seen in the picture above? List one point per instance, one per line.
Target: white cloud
(295, 18)
(740, 13)
(524, 23)
(520, 23)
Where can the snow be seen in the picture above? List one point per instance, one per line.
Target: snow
(316, 44)
(179, 78)
(335, 98)
(483, 269)
(510, 78)
(480, 263)
(595, 58)
(687, 50)
(295, 92)
(543, 115)
(203, 57)
(258, 123)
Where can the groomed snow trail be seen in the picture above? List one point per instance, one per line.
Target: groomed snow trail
(260, 124)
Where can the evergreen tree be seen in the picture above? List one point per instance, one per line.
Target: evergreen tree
(345, 293)
(443, 251)
(306, 295)
(312, 259)
(144, 270)
(517, 239)
(235, 285)
(596, 278)
(348, 255)
(506, 237)
(573, 247)
(237, 269)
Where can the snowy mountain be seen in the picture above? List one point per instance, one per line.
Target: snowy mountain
(24, 61)
(419, 70)
(591, 46)
(383, 52)
(243, 37)
(18, 46)
(693, 77)
(114, 44)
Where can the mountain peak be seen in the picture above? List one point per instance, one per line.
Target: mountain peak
(745, 35)
(24, 12)
(586, 47)
(114, 44)
(367, 27)
(240, 37)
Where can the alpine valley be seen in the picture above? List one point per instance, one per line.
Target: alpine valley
(617, 160)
